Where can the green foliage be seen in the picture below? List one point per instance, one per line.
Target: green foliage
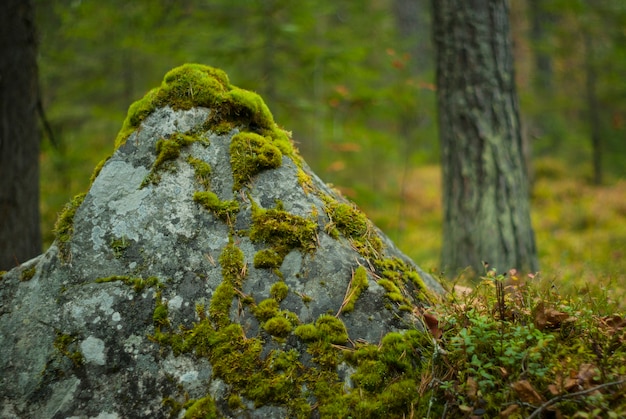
(509, 343)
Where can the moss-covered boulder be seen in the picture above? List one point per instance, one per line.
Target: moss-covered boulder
(208, 272)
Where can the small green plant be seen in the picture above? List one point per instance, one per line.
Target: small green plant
(512, 349)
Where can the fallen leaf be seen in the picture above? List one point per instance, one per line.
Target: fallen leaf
(472, 388)
(433, 325)
(509, 411)
(526, 392)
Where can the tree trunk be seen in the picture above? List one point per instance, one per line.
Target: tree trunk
(20, 236)
(593, 108)
(485, 184)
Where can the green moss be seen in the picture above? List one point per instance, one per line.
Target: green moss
(98, 169)
(195, 85)
(159, 317)
(27, 274)
(327, 328)
(278, 326)
(282, 230)
(251, 153)
(331, 329)
(64, 226)
(65, 343)
(119, 246)
(353, 224)
(307, 332)
(167, 149)
(279, 291)
(202, 170)
(203, 408)
(224, 210)
(402, 276)
(358, 284)
(233, 273)
(138, 284)
(266, 309)
(184, 87)
(348, 219)
(267, 258)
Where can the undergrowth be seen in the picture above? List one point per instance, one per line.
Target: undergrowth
(512, 348)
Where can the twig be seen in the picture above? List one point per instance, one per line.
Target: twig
(572, 395)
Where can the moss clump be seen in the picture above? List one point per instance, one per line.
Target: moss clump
(400, 280)
(64, 227)
(266, 309)
(278, 326)
(233, 273)
(353, 224)
(64, 344)
(357, 285)
(203, 408)
(283, 231)
(327, 328)
(251, 153)
(119, 246)
(224, 210)
(348, 219)
(279, 291)
(27, 274)
(167, 149)
(138, 284)
(159, 316)
(196, 85)
(183, 88)
(202, 170)
(267, 258)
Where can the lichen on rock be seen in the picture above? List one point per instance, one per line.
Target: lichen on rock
(209, 272)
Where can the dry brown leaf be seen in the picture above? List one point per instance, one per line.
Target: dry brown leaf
(472, 388)
(526, 392)
(554, 390)
(548, 317)
(571, 384)
(586, 374)
(509, 411)
(433, 325)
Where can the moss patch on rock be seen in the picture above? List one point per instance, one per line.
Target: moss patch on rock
(283, 231)
(64, 226)
(251, 153)
(224, 210)
(348, 220)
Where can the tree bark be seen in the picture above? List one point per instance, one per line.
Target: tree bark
(593, 108)
(20, 236)
(485, 184)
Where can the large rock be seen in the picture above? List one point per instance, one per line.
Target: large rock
(208, 272)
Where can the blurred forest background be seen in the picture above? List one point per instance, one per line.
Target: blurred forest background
(353, 81)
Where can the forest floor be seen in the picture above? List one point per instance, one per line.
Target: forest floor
(580, 229)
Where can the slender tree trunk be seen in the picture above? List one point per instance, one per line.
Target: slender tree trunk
(20, 236)
(485, 185)
(539, 18)
(593, 109)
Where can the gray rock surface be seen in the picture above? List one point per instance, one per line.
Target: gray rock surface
(121, 317)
